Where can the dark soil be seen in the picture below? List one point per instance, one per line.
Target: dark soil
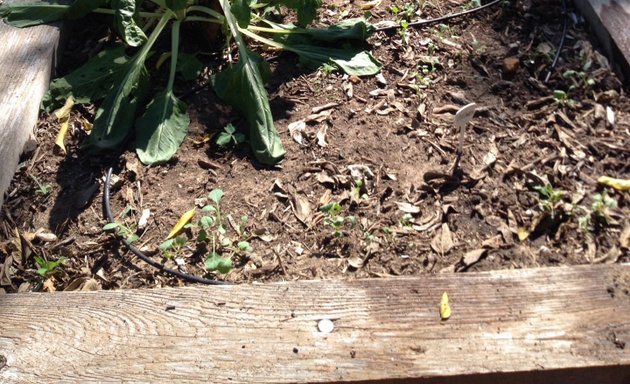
(411, 211)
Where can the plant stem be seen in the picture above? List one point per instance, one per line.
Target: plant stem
(273, 30)
(206, 10)
(231, 22)
(106, 11)
(269, 42)
(174, 53)
(205, 19)
(166, 17)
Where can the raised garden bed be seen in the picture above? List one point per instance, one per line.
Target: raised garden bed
(370, 187)
(383, 148)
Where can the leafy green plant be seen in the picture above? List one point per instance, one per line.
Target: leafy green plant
(230, 136)
(172, 247)
(551, 198)
(212, 231)
(336, 220)
(120, 83)
(48, 268)
(581, 77)
(406, 220)
(602, 204)
(126, 232)
(42, 189)
(563, 98)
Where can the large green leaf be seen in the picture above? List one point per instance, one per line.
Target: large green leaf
(242, 12)
(125, 24)
(114, 119)
(306, 9)
(351, 29)
(162, 128)
(241, 86)
(26, 15)
(351, 60)
(90, 82)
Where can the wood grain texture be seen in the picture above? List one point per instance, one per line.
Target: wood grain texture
(521, 326)
(26, 59)
(610, 20)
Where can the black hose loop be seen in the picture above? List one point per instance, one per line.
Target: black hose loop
(161, 267)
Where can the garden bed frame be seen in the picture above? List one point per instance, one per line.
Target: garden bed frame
(548, 325)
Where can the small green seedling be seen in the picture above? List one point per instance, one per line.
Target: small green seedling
(127, 233)
(335, 220)
(48, 268)
(551, 198)
(580, 78)
(213, 231)
(563, 98)
(42, 189)
(602, 203)
(406, 220)
(327, 69)
(215, 262)
(229, 136)
(172, 247)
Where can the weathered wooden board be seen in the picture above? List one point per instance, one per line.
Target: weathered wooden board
(26, 59)
(555, 325)
(610, 20)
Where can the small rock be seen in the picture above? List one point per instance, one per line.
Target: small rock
(510, 65)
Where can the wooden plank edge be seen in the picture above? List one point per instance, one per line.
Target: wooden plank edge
(27, 59)
(548, 325)
(610, 19)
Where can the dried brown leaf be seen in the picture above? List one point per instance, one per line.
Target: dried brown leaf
(473, 257)
(302, 209)
(442, 243)
(408, 208)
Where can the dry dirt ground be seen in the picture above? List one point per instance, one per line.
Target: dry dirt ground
(382, 150)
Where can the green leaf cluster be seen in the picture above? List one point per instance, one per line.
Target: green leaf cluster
(48, 268)
(117, 79)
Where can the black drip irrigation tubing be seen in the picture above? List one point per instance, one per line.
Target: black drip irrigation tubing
(142, 256)
(422, 23)
(565, 26)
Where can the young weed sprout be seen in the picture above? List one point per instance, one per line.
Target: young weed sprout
(48, 268)
(335, 220)
(551, 199)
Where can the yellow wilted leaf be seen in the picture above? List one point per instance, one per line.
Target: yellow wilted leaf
(63, 115)
(370, 5)
(445, 307)
(618, 184)
(64, 112)
(63, 129)
(523, 234)
(202, 139)
(85, 124)
(180, 224)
